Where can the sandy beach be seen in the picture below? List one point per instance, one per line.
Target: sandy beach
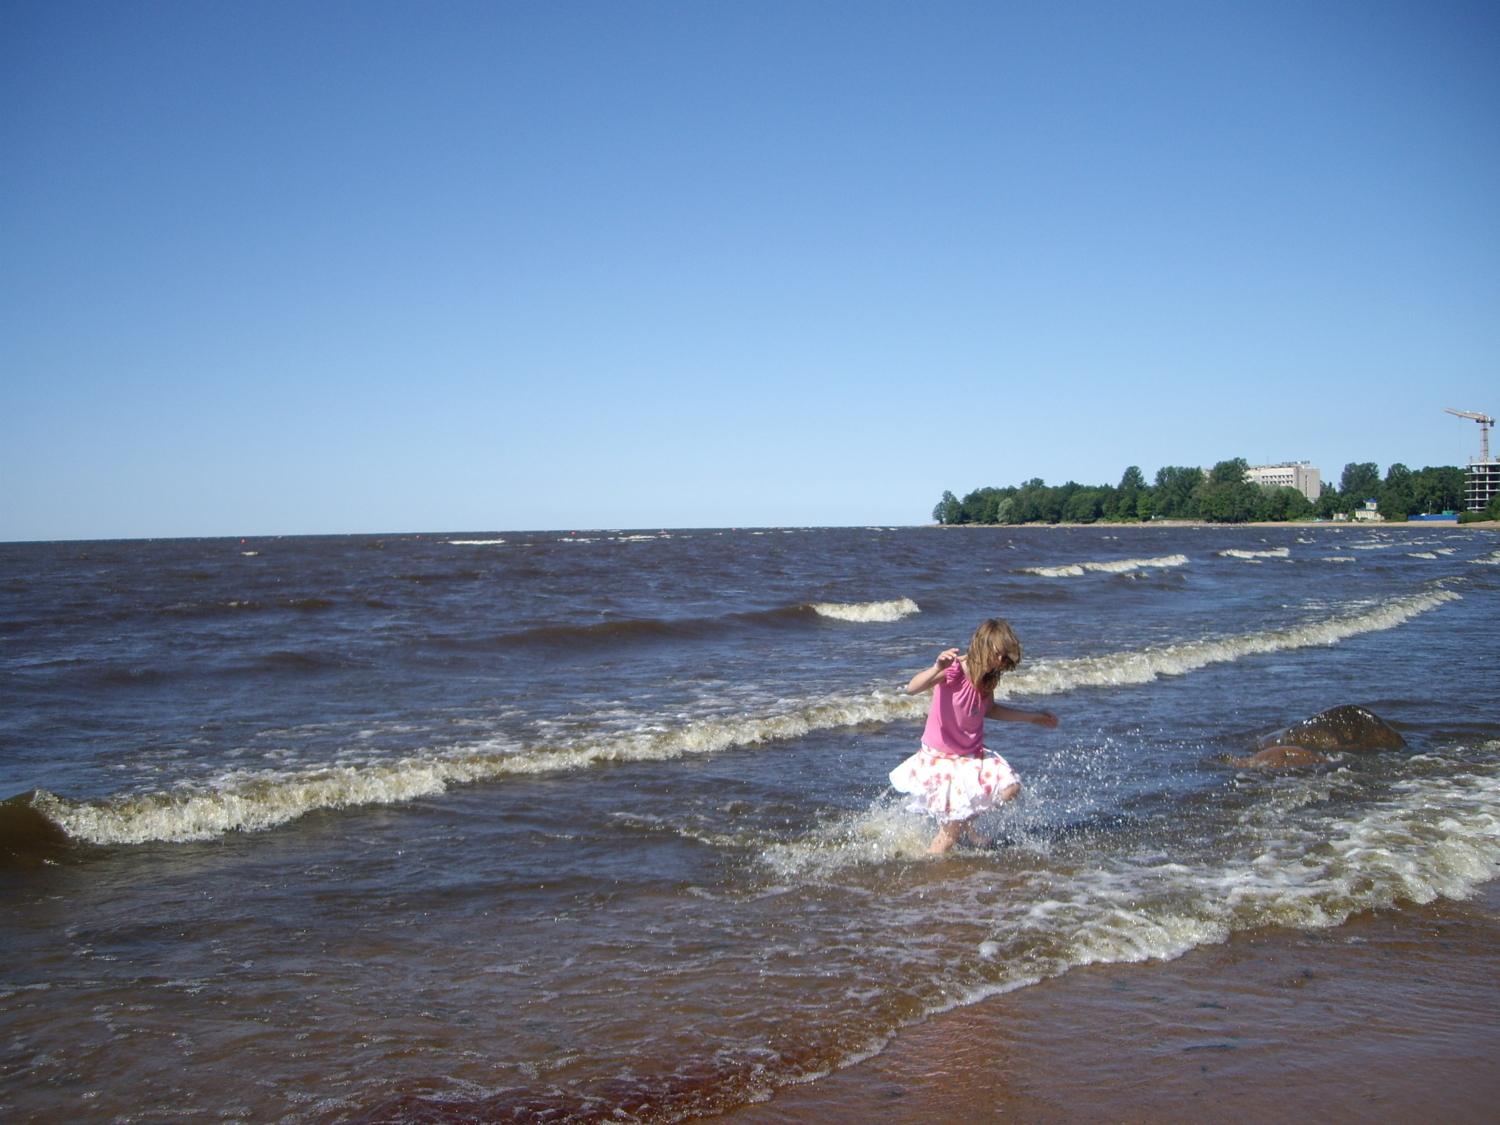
(1393, 1017)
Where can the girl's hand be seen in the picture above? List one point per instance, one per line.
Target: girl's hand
(1045, 719)
(924, 679)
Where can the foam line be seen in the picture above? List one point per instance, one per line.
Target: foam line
(1273, 553)
(1112, 566)
(867, 611)
(256, 800)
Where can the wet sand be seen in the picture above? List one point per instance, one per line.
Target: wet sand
(1393, 1017)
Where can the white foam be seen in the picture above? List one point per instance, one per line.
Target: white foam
(1339, 558)
(1174, 660)
(1112, 566)
(1421, 554)
(867, 611)
(1295, 857)
(474, 542)
(1273, 553)
(251, 800)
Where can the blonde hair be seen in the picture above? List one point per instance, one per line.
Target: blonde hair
(993, 651)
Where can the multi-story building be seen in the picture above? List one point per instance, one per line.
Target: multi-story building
(1483, 485)
(1300, 475)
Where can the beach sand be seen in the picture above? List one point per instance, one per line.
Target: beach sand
(1393, 1017)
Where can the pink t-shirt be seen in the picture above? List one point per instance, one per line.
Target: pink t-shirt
(955, 725)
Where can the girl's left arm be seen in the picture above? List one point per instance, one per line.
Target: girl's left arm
(1012, 715)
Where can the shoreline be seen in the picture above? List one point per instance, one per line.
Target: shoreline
(1393, 1016)
(1341, 525)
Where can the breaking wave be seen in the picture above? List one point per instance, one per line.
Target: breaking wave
(1113, 566)
(1273, 553)
(247, 800)
(867, 611)
(474, 542)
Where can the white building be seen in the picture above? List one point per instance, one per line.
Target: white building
(1370, 511)
(1300, 475)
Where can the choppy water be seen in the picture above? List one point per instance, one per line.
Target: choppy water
(510, 827)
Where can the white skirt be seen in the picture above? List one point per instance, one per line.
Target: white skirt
(952, 788)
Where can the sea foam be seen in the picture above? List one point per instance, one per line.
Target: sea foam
(1273, 553)
(867, 611)
(1113, 566)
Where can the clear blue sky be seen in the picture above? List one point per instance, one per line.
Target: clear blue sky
(309, 267)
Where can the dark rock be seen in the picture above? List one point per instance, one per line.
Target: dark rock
(1342, 728)
(1279, 758)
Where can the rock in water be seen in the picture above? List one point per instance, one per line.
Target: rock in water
(1279, 758)
(1342, 728)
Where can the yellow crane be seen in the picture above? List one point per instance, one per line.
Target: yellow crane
(1485, 422)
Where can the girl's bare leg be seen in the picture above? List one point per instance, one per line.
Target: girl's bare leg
(967, 829)
(946, 837)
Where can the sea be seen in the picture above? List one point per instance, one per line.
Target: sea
(595, 826)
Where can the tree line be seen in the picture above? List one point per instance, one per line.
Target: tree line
(1223, 494)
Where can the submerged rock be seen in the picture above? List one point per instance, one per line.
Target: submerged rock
(1279, 758)
(1341, 728)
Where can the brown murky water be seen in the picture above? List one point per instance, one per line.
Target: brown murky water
(1393, 1017)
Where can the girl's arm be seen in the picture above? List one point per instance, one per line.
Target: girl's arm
(924, 679)
(1012, 715)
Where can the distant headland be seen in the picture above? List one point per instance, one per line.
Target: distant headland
(1232, 491)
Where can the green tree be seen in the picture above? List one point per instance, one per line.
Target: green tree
(1282, 503)
(1083, 506)
(1331, 502)
(1360, 482)
(983, 504)
(1396, 502)
(1125, 502)
(1438, 489)
(948, 509)
(1175, 489)
(1226, 496)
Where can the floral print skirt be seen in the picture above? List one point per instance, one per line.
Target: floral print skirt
(952, 788)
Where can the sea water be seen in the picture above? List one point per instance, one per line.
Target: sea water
(595, 826)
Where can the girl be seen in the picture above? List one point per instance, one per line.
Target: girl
(953, 777)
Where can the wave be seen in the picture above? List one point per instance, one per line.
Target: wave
(625, 630)
(1113, 566)
(1114, 669)
(474, 542)
(255, 800)
(1273, 553)
(867, 611)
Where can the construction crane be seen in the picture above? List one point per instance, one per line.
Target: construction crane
(1485, 422)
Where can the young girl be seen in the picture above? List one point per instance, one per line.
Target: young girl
(953, 777)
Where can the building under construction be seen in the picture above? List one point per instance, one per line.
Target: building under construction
(1483, 480)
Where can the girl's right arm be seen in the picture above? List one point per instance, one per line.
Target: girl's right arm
(924, 679)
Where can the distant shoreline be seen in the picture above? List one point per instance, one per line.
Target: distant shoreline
(1341, 525)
